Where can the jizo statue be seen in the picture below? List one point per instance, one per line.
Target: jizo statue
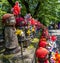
(11, 40)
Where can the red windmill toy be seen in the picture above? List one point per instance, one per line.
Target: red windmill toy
(16, 9)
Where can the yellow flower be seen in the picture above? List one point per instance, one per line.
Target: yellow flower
(33, 30)
(19, 32)
(28, 32)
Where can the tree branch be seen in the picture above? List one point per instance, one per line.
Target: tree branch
(11, 2)
(37, 9)
(26, 5)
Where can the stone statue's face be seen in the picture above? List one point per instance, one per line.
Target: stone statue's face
(11, 20)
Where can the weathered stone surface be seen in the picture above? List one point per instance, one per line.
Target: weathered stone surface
(11, 41)
(28, 57)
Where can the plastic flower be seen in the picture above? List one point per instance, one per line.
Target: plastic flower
(28, 32)
(33, 30)
(16, 8)
(19, 32)
(57, 58)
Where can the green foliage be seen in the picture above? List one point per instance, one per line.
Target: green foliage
(44, 10)
(47, 12)
(4, 7)
(2, 13)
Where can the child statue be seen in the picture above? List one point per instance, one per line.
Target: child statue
(11, 40)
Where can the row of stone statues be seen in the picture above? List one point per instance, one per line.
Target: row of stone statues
(12, 36)
(18, 32)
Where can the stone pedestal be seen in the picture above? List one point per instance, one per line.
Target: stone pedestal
(28, 57)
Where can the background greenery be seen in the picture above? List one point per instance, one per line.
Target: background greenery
(43, 10)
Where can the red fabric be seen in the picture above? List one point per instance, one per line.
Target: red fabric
(41, 52)
(19, 20)
(42, 44)
(38, 25)
(53, 38)
(59, 61)
(38, 22)
(16, 9)
(46, 61)
(45, 32)
(6, 16)
(42, 38)
(32, 22)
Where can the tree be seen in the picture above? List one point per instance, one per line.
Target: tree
(43, 10)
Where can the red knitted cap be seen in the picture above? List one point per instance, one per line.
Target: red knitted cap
(41, 52)
(5, 16)
(43, 44)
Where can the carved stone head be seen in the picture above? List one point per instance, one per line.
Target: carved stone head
(9, 19)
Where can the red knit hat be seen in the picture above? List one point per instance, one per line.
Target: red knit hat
(41, 52)
(5, 16)
(42, 44)
(43, 38)
(19, 20)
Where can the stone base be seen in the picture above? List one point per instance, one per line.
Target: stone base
(11, 51)
(28, 57)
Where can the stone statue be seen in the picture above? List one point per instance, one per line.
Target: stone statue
(11, 40)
